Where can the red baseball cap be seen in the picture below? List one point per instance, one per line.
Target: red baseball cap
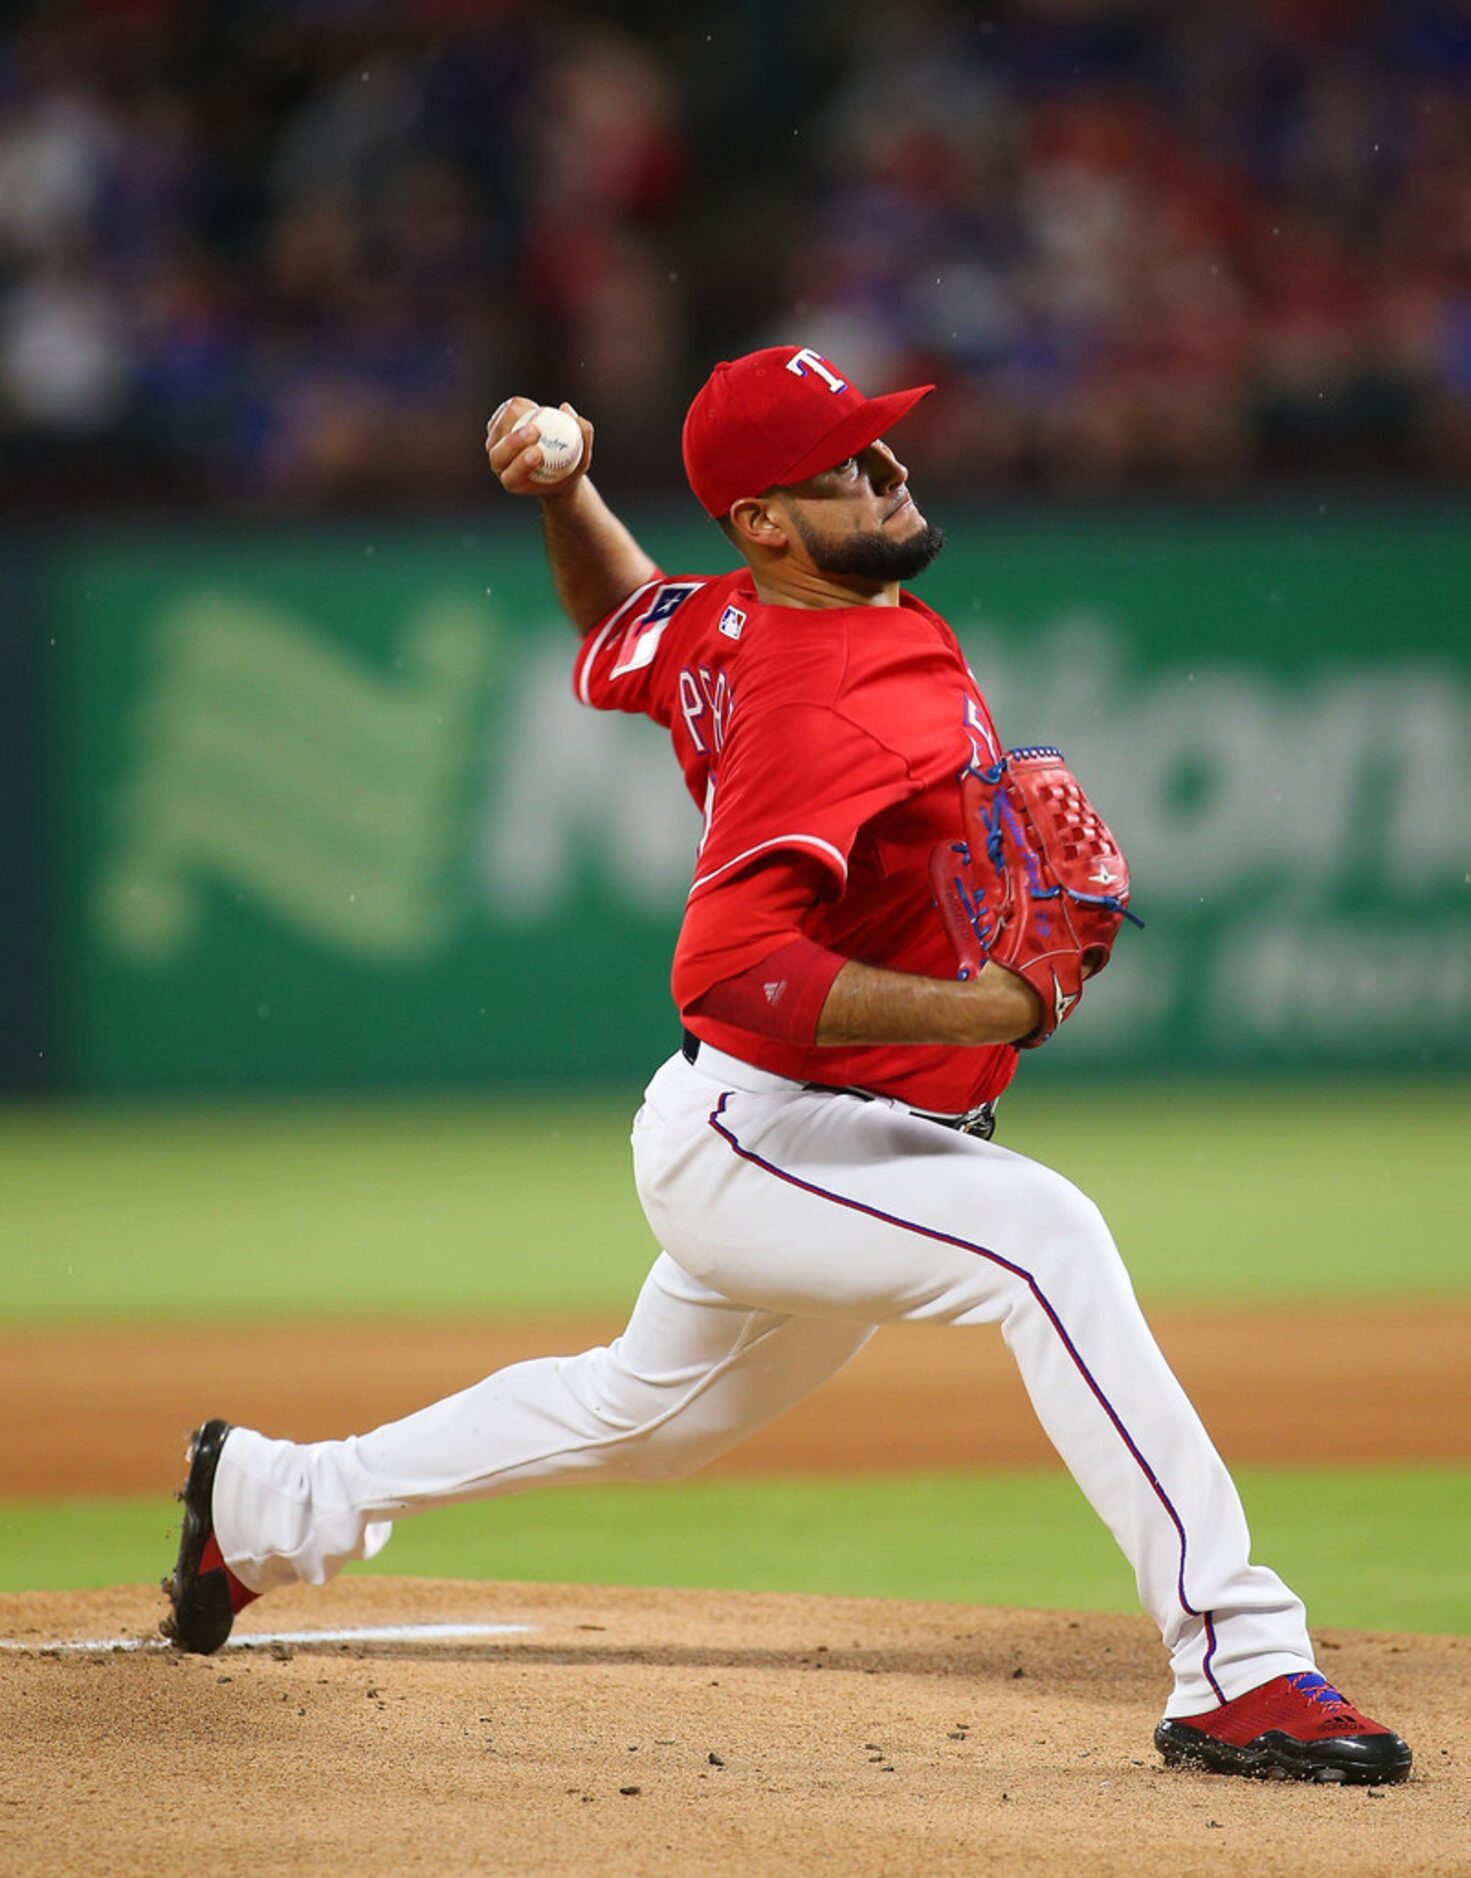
(776, 417)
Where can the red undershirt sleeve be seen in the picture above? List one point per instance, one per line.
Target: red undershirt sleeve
(743, 959)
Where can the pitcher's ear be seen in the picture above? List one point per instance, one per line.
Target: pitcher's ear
(758, 522)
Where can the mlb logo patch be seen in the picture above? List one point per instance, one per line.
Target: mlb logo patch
(731, 622)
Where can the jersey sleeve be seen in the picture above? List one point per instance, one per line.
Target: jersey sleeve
(798, 777)
(750, 914)
(618, 667)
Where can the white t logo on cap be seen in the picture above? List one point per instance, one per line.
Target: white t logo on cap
(801, 362)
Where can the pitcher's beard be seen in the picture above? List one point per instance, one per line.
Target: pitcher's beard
(875, 556)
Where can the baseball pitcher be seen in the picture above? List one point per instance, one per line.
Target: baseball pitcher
(887, 905)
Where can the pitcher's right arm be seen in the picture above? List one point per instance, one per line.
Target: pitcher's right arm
(595, 562)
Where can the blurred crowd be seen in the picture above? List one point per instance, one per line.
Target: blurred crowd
(287, 254)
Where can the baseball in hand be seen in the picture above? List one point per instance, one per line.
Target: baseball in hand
(560, 437)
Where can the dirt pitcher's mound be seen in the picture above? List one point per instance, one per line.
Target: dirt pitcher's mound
(617, 1731)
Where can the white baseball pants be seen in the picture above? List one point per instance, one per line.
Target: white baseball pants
(795, 1222)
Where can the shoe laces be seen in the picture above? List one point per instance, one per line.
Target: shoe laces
(1317, 1689)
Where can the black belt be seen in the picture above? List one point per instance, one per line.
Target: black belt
(979, 1121)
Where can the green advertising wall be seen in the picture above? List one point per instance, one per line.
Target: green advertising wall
(324, 812)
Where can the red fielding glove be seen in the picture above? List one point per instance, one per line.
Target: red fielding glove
(1022, 888)
(968, 876)
(1061, 825)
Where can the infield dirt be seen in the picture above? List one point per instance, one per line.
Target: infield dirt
(677, 1732)
(645, 1732)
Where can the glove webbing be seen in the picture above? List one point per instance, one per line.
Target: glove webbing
(1109, 902)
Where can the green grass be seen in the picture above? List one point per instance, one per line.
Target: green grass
(297, 1209)
(1216, 1193)
(1386, 1549)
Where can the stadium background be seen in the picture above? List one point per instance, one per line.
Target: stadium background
(334, 936)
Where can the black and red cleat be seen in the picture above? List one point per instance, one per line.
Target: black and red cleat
(1293, 1728)
(205, 1594)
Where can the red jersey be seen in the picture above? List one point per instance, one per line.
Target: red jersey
(833, 734)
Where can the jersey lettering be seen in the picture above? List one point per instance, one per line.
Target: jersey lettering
(707, 813)
(692, 709)
(983, 748)
(807, 360)
(642, 636)
(704, 704)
